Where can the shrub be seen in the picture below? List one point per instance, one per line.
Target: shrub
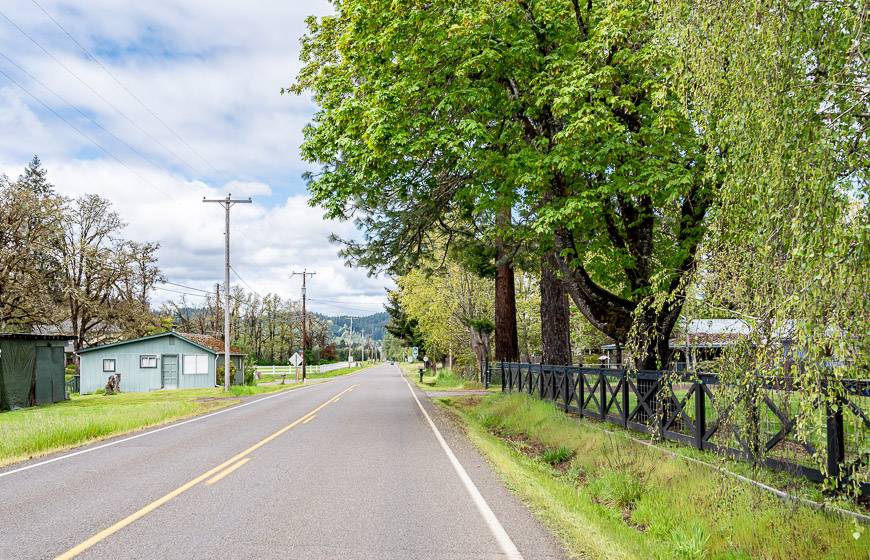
(618, 489)
(690, 544)
(557, 455)
(220, 374)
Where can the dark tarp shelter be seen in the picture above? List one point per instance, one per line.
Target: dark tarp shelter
(31, 369)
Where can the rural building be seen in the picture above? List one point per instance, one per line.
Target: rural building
(696, 341)
(169, 360)
(31, 369)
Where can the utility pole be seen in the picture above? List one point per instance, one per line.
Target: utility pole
(305, 274)
(217, 307)
(350, 346)
(227, 203)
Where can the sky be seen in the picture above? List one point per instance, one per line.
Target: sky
(157, 104)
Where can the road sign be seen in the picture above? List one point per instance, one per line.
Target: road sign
(415, 352)
(295, 359)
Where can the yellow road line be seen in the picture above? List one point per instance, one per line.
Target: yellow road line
(309, 419)
(132, 518)
(227, 471)
(336, 399)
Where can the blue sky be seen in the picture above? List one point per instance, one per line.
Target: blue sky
(183, 101)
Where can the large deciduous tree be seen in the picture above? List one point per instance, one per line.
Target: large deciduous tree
(30, 222)
(458, 106)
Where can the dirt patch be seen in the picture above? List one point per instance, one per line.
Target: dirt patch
(469, 401)
(521, 442)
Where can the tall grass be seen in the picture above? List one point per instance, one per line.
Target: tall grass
(621, 499)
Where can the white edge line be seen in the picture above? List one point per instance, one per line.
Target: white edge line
(169, 427)
(502, 538)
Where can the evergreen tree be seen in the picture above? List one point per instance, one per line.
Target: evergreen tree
(35, 178)
(400, 325)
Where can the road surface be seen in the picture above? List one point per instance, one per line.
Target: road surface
(351, 468)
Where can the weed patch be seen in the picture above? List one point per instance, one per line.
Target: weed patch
(557, 456)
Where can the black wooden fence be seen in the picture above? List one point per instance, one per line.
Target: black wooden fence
(696, 409)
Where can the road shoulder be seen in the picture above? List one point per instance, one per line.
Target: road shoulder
(532, 539)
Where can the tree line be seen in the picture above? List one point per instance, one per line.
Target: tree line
(268, 328)
(66, 267)
(621, 157)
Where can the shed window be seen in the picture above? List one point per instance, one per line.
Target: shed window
(109, 366)
(194, 365)
(147, 361)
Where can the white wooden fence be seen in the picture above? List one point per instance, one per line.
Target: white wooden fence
(291, 371)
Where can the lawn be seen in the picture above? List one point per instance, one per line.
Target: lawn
(35, 431)
(605, 496)
(443, 380)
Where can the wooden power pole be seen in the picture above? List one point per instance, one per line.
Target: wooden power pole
(305, 274)
(227, 203)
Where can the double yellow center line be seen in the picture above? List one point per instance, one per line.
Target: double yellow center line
(212, 476)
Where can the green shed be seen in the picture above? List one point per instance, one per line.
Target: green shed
(31, 369)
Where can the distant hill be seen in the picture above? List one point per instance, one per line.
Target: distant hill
(369, 325)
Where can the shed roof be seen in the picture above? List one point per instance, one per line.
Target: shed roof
(32, 336)
(208, 343)
(212, 342)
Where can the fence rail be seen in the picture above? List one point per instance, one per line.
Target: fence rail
(292, 370)
(699, 411)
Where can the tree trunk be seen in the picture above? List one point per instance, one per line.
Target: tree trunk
(555, 315)
(507, 348)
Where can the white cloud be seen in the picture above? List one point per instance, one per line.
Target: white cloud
(212, 71)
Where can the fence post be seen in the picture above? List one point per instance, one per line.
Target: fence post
(700, 413)
(625, 410)
(835, 439)
(582, 402)
(553, 384)
(565, 377)
(602, 391)
(541, 381)
(501, 368)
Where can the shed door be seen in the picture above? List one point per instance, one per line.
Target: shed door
(169, 370)
(50, 386)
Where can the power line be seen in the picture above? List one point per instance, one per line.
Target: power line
(95, 92)
(186, 287)
(82, 113)
(85, 136)
(239, 276)
(179, 292)
(125, 88)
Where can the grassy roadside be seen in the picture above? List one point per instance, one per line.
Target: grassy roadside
(443, 380)
(605, 496)
(35, 431)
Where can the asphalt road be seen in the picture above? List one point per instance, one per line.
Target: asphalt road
(350, 469)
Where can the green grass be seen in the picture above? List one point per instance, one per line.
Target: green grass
(39, 430)
(554, 456)
(443, 380)
(616, 498)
